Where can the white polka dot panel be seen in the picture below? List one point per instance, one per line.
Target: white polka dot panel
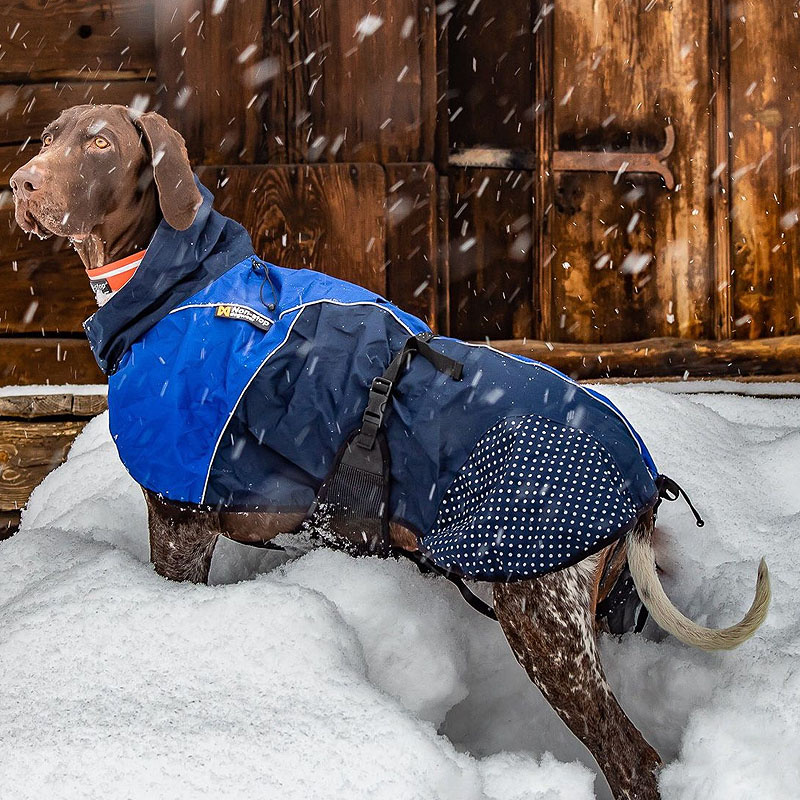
(532, 497)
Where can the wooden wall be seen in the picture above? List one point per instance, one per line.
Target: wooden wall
(447, 154)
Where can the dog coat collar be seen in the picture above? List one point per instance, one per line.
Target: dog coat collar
(107, 280)
(177, 264)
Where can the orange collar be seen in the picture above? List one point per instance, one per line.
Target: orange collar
(112, 277)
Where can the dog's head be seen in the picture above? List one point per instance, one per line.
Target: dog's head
(98, 161)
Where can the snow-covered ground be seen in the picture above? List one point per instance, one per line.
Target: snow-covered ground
(331, 677)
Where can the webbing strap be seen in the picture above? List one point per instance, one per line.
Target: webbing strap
(381, 389)
(426, 565)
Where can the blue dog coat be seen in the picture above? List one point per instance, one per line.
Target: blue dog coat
(234, 383)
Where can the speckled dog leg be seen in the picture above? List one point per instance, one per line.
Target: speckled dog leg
(549, 623)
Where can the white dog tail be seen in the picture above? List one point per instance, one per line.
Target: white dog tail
(642, 564)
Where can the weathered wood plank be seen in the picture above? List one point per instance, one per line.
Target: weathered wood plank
(491, 74)
(411, 238)
(89, 405)
(490, 253)
(665, 357)
(76, 38)
(352, 91)
(720, 157)
(443, 240)
(33, 406)
(543, 185)
(765, 197)
(28, 452)
(214, 90)
(296, 82)
(328, 217)
(26, 361)
(27, 108)
(639, 258)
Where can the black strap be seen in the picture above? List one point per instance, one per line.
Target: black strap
(426, 565)
(668, 489)
(381, 389)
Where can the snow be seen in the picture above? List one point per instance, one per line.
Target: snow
(68, 388)
(368, 25)
(317, 675)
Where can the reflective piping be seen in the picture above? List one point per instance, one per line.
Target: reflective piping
(558, 374)
(261, 366)
(194, 305)
(118, 271)
(306, 305)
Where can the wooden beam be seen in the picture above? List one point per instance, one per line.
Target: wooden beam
(665, 357)
(77, 39)
(33, 406)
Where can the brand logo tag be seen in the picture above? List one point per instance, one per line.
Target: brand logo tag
(244, 313)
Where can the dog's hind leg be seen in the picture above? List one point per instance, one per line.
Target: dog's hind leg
(182, 540)
(549, 623)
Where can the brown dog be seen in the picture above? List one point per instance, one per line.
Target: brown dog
(104, 179)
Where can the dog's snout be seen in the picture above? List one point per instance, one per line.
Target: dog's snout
(26, 180)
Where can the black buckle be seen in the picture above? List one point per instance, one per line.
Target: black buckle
(379, 393)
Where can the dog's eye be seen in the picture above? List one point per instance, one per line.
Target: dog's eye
(47, 140)
(100, 142)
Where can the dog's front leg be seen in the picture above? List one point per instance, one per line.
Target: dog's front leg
(181, 539)
(549, 623)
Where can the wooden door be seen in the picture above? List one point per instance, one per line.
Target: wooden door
(647, 151)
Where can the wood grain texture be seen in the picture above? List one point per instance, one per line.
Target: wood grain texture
(543, 185)
(638, 258)
(765, 196)
(411, 239)
(26, 361)
(490, 253)
(44, 285)
(491, 74)
(28, 452)
(665, 357)
(720, 62)
(33, 406)
(348, 94)
(294, 81)
(328, 217)
(76, 39)
(443, 315)
(206, 61)
(26, 108)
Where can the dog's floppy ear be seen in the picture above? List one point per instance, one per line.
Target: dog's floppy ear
(177, 194)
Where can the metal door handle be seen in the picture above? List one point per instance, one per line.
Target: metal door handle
(589, 161)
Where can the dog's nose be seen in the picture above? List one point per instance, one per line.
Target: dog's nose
(26, 180)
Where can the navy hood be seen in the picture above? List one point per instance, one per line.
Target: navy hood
(176, 266)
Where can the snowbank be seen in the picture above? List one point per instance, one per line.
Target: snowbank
(330, 677)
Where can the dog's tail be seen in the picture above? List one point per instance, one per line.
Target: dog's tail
(642, 564)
